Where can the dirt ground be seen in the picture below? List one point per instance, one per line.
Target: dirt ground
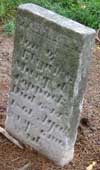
(87, 148)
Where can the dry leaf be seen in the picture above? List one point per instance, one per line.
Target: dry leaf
(90, 167)
(98, 47)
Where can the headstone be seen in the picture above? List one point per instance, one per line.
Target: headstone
(49, 72)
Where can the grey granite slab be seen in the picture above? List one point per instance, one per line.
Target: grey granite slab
(49, 74)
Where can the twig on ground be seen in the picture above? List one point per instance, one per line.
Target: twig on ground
(8, 136)
(26, 167)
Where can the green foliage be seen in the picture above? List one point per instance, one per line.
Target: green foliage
(9, 28)
(84, 11)
(87, 13)
(2, 10)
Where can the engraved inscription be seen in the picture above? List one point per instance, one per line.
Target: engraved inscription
(40, 84)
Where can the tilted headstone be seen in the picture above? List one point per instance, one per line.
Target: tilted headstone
(49, 72)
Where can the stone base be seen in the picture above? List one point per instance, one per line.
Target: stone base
(68, 156)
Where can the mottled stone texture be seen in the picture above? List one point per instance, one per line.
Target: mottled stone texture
(49, 72)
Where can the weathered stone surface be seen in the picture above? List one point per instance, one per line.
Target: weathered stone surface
(49, 72)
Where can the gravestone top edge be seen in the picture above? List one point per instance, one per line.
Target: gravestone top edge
(56, 18)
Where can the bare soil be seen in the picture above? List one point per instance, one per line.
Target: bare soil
(87, 148)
